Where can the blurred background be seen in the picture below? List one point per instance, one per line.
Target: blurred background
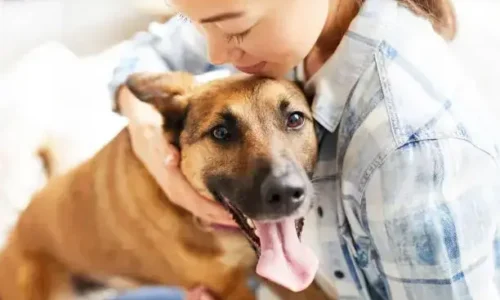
(90, 26)
(84, 26)
(57, 56)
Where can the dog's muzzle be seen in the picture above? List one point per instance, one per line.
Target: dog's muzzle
(244, 223)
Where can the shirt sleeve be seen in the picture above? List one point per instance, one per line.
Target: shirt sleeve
(431, 215)
(171, 46)
(153, 293)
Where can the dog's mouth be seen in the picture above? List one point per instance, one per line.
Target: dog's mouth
(243, 222)
(281, 256)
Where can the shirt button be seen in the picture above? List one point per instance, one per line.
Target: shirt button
(339, 274)
(320, 211)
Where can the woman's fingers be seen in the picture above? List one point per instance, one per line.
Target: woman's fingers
(183, 194)
(214, 213)
(179, 188)
(162, 159)
(174, 184)
(199, 293)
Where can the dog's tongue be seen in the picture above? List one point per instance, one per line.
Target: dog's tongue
(284, 260)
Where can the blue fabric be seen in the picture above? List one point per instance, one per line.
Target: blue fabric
(408, 174)
(153, 293)
(169, 293)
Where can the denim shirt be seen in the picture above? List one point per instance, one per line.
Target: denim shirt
(407, 177)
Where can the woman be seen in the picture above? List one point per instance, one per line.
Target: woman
(407, 175)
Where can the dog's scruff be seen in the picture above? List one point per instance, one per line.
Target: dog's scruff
(244, 140)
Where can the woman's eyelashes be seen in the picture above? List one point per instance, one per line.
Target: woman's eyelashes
(238, 37)
(183, 18)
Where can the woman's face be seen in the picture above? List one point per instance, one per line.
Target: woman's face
(265, 37)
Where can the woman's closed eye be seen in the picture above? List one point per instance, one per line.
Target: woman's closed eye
(238, 37)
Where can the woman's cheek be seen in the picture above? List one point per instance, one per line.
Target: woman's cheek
(270, 46)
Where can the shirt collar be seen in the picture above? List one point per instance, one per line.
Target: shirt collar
(334, 81)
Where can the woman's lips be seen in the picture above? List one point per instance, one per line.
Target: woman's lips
(253, 69)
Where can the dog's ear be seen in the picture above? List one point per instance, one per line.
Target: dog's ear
(167, 92)
(162, 90)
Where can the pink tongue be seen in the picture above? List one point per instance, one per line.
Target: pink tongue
(284, 260)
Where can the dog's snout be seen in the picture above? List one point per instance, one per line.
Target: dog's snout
(283, 194)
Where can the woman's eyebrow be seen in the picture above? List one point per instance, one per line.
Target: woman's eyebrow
(222, 17)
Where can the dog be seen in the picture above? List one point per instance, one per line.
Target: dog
(245, 141)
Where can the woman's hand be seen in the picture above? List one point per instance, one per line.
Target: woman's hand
(199, 293)
(162, 159)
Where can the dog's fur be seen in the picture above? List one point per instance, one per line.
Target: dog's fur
(108, 218)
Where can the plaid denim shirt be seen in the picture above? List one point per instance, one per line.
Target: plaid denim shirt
(407, 178)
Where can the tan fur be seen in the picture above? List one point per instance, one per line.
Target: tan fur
(108, 219)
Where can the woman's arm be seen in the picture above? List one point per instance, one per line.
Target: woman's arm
(153, 293)
(175, 45)
(171, 46)
(431, 214)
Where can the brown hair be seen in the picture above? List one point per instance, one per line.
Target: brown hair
(440, 12)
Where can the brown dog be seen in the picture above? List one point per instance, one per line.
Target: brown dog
(248, 142)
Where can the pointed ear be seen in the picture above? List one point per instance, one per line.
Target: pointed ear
(160, 89)
(167, 92)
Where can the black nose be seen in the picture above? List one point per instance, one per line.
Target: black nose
(283, 194)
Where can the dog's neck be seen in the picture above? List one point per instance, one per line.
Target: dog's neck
(133, 193)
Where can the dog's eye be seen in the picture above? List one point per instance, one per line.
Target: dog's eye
(295, 120)
(221, 133)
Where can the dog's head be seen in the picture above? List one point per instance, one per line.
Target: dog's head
(250, 140)
(246, 141)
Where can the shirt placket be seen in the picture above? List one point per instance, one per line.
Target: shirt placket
(334, 271)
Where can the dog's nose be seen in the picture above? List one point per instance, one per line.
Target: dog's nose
(283, 194)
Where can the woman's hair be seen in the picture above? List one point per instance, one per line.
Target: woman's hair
(440, 12)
